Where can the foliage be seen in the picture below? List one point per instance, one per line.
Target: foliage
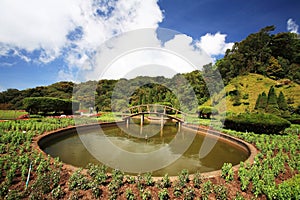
(183, 177)
(257, 122)
(163, 194)
(227, 172)
(34, 105)
(206, 111)
(12, 114)
(78, 181)
(274, 160)
(220, 191)
(165, 181)
(276, 56)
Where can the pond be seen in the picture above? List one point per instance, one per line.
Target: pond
(73, 149)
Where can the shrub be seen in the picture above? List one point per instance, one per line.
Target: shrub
(206, 111)
(257, 123)
(34, 105)
(163, 194)
(227, 172)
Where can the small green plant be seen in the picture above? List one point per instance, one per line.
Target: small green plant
(189, 193)
(78, 181)
(163, 194)
(129, 194)
(96, 191)
(238, 196)
(177, 191)
(57, 193)
(148, 180)
(146, 195)
(183, 177)
(206, 189)
(220, 192)
(197, 179)
(227, 172)
(165, 181)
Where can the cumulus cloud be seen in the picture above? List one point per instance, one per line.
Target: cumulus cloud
(141, 52)
(214, 44)
(292, 26)
(72, 28)
(75, 30)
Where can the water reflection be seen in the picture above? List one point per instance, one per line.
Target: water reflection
(150, 148)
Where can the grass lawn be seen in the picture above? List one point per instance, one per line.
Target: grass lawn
(11, 114)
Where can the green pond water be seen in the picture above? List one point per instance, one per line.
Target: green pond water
(71, 150)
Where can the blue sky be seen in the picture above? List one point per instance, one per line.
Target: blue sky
(42, 42)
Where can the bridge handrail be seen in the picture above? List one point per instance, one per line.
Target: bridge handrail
(147, 106)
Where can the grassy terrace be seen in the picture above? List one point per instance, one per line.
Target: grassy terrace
(274, 175)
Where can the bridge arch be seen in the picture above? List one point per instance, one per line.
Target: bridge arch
(155, 109)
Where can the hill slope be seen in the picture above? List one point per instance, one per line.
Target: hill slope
(249, 87)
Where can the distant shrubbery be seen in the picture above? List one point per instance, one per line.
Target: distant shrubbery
(35, 105)
(257, 123)
(206, 111)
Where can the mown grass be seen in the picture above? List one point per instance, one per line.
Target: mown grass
(250, 86)
(11, 114)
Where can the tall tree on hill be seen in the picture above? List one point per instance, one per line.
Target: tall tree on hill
(261, 102)
(282, 102)
(272, 105)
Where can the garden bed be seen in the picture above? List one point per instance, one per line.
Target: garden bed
(277, 161)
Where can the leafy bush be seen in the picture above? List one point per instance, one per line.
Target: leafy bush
(34, 105)
(206, 111)
(257, 123)
(163, 194)
(227, 172)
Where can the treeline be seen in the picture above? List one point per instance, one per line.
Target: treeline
(114, 95)
(276, 56)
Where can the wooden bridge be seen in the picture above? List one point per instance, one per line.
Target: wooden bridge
(161, 111)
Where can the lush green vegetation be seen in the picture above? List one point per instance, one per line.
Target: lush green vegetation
(255, 70)
(273, 174)
(276, 56)
(206, 111)
(36, 105)
(257, 122)
(12, 114)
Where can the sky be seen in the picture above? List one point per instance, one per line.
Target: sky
(46, 41)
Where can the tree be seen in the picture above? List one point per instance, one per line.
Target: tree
(206, 111)
(272, 105)
(257, 103)
(282, 102)
(274, 70)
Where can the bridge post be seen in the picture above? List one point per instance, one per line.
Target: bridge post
(161, 122)
(179, 125)
(127, 122)
(142, 119)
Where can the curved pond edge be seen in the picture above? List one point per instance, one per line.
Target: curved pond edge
(40, 140)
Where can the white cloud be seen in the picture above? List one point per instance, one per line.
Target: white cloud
(44, 26)
(141, 52)
(2, 88)
(214, 44)
(292, 26)
(65, 76)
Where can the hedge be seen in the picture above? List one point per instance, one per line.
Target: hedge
(261, 123)
(34, 105)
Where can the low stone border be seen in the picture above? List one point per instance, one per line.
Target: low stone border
(40, 140)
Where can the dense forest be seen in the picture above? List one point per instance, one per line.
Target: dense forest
(276, 56)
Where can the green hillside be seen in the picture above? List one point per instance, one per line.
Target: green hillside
(248, 87)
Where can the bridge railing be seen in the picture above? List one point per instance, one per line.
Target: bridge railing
(155, 109)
